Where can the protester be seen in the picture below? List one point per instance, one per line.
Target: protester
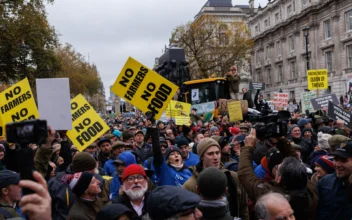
(10, 194)
(171, 202)
(141, 149)
(115, 212)
(323, 165)
(105, 151)
(233, 80)
(248, 96)
(194, 117)
(189, 158)
(273, 206)
(117, 148)
(135, 190)
(212, 187)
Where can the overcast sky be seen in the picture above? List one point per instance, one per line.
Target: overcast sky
(112, 30)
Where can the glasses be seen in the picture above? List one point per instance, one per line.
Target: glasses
(132, 179)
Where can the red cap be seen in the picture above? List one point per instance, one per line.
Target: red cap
(233, 68)
(132, 170)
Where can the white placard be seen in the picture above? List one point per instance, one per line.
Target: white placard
(195, 95)
(53, 97)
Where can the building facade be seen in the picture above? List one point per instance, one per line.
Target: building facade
(279, 55)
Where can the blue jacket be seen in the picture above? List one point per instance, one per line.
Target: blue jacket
(169, 176)
(333, 199)
(149, 164)
(259, 171)
(192, 159)
(109, 168)
(115, 185)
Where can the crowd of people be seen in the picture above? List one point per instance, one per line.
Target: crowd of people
(147, 169)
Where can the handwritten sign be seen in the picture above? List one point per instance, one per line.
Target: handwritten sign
(317, 79)
(87, 125)
(182, 120)
(305, 100)
(235, 111)
(144, 88)
(280, 100)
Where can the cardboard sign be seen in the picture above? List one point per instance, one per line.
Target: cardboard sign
(182, 120)
(256, 86)
(17, 104)
(305, 101)
(321, 102)
(235, 111)
(176, 108)
(204, 107)
(223, 106)
(53, 97)
(144, 88)
(280, 100)
(317, 79)
(87, 125)
(336, 113)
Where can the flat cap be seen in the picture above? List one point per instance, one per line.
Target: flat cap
(8, 177)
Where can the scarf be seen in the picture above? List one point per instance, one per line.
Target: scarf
(177, 168)
(213, 203)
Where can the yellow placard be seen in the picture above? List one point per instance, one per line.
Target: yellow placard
(87, 125)
(144, 88)
(176, 108)
(235, 111)
(2, 130)
(182, 120)
(17, 104)
(317, 79)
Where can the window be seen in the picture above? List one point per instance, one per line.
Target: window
(293, 70)
(269, 76)
(349, 56)
(291, 43)
(267, 52)
(292, 94)
(289, 9)
(348, 18)
(304, 2)
(257, 29)
(257, 57)
(277, 18)
(279, 73)
(259, 76)
(327, 29)
(266, 24)
(328, 61)
(278, 47)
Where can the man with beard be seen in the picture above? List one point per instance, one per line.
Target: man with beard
(135, 187)
(189, 158)
(332, 188)
(88, 204)
(105, 151)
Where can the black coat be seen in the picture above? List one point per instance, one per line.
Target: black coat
(248, 96)
(124, 200)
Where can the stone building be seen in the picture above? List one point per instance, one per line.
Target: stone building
(279, 55)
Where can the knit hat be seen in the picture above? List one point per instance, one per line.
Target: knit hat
(212, 129)
(181, 141)
(323, 141)
(292, 127)
(206, 143)
(162, 141)
(132, 170)
(327, 163)
(171, 149)
(306, 129)
(223, 141)
(315, 155)
(273, 158)
(79, 182)
(83, 162)
(212, 183)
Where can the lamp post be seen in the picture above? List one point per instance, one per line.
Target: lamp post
(306, 34)
(24, 53)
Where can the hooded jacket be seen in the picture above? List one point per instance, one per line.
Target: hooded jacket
(128, 158)
(214, 210)
(109, 168)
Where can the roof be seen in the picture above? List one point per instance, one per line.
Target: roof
(219, 3)
(202, 81)
(241, 6)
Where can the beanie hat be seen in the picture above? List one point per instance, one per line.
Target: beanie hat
(306, 129)
(79, 182)
(83, 162)
(214, 128)
(181, 141)
(212, 183)
(223, 141)
(171, 149)
(323, 141)
(206, 143)
(315, 155)
(292, 127)
(326, 162)
(274, 158)
(133, 169)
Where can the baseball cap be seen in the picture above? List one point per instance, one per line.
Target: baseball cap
(303, 121)
(345, 151)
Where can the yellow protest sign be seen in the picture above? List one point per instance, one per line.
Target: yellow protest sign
(176, 108)
(87, 125)
(182, 120)
(235, 111)
(17, 104)
(2, 130)
(317, 79)
(144, 88)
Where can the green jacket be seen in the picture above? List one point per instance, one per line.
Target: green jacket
(234, 83)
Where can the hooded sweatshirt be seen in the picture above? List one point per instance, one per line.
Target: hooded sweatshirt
(115, 185)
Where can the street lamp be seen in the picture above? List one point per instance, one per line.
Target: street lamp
(306, 34)
(24, 53)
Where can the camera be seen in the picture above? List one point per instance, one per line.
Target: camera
(26, 132)
(273, 125)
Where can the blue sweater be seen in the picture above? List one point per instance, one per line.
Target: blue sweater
(192, 159)
(115, 185)
(169, 176)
